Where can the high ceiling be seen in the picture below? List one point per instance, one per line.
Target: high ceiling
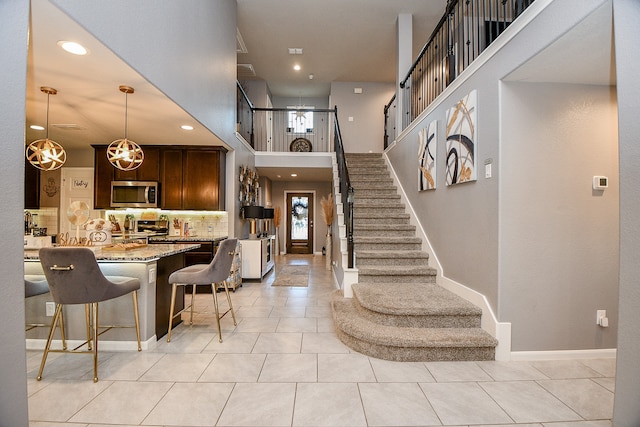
(342, 40)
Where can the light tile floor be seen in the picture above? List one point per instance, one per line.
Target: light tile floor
(283, 366)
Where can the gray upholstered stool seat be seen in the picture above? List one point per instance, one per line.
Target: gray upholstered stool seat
(35, 284)
(74, 277)
(217, 271)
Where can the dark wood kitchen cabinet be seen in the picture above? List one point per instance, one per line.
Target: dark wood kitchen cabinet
(31, 186)
(192, 178)
(104, 173)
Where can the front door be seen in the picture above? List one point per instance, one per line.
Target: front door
(300, 223)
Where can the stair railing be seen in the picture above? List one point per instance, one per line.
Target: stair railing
(346, 190)
(465, 30)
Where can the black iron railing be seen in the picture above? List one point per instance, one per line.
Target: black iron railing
(390, 121)
(345, 189)
(467, 28)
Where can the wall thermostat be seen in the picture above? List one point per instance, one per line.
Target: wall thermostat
(600, 182)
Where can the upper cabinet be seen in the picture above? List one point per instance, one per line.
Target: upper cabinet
(190, 177)
(31, 186)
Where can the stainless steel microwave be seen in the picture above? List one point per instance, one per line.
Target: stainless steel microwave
(134, 194)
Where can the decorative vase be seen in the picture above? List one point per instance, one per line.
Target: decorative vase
(328, 250)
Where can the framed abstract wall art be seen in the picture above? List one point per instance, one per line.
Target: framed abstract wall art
(427, 142)
(461, 148)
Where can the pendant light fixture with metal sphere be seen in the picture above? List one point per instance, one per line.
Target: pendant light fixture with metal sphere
(46, 154)
(125, 154)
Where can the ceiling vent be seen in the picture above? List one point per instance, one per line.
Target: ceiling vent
(246, 70)
(295, 51)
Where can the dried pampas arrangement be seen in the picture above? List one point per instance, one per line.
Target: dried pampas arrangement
(327, 209)
(277, 215)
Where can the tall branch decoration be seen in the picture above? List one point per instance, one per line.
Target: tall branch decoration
(327, 213)
(461, 143)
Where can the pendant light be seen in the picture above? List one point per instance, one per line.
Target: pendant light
(46, 154)
(125, 154)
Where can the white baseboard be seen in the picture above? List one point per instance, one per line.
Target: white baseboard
(604, 353)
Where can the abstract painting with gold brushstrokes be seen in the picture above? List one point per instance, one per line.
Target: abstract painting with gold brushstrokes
(461, 143)
(427, 144)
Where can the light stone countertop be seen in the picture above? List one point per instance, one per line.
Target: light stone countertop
(144, 254)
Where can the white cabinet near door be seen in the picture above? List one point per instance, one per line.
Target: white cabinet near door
(257, 257)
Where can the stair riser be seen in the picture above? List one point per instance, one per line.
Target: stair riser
(390, 262)
(378, 193)
(392, 220)
(378, 201)
(360, 182)
(388, 246)
(383, 233)
(377, 210)
(445, 321)
(418, 354)
(399, 280)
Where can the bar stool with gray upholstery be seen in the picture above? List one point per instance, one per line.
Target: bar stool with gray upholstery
(74, 277)
(34, 285)
(217, 271)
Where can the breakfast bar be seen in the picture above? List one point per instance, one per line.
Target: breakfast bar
(151, 264)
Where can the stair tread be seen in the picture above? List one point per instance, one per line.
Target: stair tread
(412, 299)
(392, 254)
(387, 239)
(348, 320)
(397, 270)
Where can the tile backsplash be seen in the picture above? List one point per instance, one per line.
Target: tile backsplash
(201, 223)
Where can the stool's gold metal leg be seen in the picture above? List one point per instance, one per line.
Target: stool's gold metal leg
(217, 310)
(88, 325)
(173, 304)
(135, 313)
(233, 314)
(56, 316)
(94, 307)
(62, 335)
(193, 300)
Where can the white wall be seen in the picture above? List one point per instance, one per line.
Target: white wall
(626, 15)
(366, 132)
(14, 24)
(558, 237)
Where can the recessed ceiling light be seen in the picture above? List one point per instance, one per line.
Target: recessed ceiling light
(37, 127)
(187, 127)
(294, 175)
(297, 67)
(73, 47)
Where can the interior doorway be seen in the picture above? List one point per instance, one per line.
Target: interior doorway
(299, 237)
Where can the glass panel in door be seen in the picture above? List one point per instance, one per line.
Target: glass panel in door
(300, 223)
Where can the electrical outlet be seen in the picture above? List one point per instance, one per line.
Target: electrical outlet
(50, 308)
(601, 318)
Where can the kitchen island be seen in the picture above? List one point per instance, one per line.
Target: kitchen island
(151, 264)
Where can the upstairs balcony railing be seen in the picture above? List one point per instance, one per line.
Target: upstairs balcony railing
(286, 129)
(467, 28)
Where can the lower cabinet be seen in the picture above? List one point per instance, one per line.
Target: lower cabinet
(257, 257)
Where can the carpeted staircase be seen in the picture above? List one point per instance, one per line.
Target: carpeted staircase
(398, 312)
